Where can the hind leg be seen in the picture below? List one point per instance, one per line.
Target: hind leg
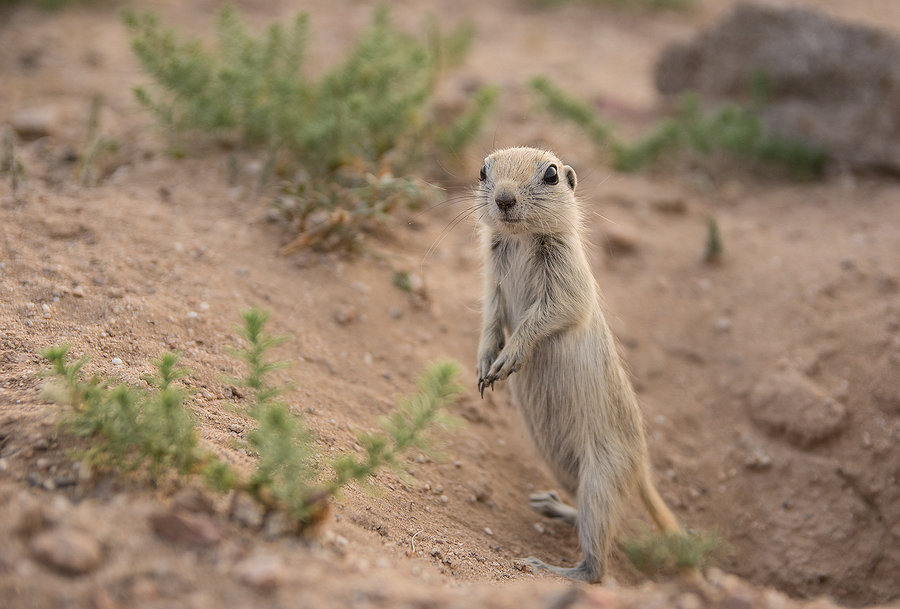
(549, 504)
(599, 496)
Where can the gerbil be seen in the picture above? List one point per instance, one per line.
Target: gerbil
(542, 320)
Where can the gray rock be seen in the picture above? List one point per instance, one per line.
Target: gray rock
(68, 551)
(832, 84)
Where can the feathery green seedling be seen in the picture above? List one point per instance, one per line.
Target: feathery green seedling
(714, 248)
(732, 129)
(404, 429)
(133, 426)
(670, 553)
(128, 425)
(96, 144)
(286, 471)
(9, 161)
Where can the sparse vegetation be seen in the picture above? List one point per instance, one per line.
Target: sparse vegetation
(130, 427)
(714, 248)
(653, 553)
(96, 144)
(9, 160)
(345, 135)
(732, 129)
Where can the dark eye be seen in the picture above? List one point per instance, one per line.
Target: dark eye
(483, 173)
(551, 176)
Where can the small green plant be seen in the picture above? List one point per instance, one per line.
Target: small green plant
(130, 427)
(346, 134)
(96, 144)
(714, 248)
(732, 129)
(9, 160)
(405, 429)
(654, 553)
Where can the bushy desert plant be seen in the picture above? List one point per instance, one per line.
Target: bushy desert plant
(130, 427)
(654, 553)
(346, 134)
(733, 129)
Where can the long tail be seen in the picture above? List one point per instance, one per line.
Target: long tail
(659, 511)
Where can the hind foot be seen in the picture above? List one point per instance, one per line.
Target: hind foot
(585, 571)
(549, 504)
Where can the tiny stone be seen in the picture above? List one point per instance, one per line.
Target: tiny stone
(539, 528)
(488, 531)
(33, 123)
(669, 206)
(193, 315)
(261, 572)
(444, 499)
(78, 291)
(340, 541)
(246, 511)
(345, 314)
(67, 551)
(193, 499)
(395, 313)
(186, 529)
(116, 361)
(278, 524)
(723, 324)
(204, 306)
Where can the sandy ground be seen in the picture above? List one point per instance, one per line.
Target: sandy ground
(770, 382)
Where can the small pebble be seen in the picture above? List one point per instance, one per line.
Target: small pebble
(345, 314)
(67, 551)
(262, 572)
(116, 361)
(186, 529)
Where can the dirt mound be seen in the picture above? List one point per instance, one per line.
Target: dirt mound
(828, 82)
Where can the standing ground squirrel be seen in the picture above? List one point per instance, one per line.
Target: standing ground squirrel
(542, 320)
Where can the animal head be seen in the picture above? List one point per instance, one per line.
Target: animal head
(527, 190)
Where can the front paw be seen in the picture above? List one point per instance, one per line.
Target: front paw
(485, 359)
(509, 361)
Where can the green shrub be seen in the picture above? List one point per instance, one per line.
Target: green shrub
(653, 553)
(130, 427)
(732, 129)
(346, 134)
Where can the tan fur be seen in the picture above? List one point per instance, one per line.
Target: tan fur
(542, 320)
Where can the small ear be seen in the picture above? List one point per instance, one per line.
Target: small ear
(570, 177)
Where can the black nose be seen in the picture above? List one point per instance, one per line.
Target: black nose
(505, 201)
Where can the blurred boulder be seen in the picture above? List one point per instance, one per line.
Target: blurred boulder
(828, 83)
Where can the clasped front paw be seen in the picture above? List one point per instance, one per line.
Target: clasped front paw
(506, 363)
